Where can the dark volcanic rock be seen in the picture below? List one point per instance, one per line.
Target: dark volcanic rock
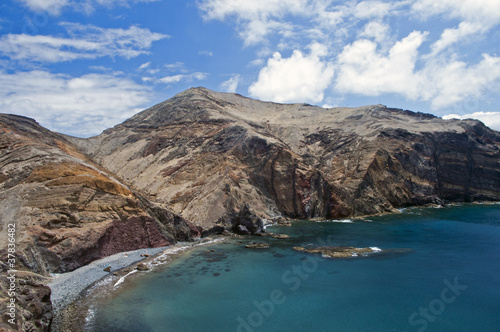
(215, 230)
(33, 311)
(246, 222)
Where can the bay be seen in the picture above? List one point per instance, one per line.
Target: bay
(439, 270)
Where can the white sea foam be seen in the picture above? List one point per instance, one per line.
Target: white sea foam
(162, 258)
(90, 314)
(122, 279)
(344, 221)
(375, 249)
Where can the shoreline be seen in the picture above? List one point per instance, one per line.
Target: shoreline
(70, 288)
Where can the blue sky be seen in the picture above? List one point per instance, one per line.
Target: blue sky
(79, 67)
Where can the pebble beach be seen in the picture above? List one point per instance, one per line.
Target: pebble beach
(67, 287)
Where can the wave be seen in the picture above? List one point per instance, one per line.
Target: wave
(344, 221)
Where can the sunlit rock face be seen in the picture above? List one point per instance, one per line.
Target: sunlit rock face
(207, 155)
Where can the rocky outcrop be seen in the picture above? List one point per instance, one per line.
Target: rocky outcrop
(339, 252)
(31, 310)
(209, 155)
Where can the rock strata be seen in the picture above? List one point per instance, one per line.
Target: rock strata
(214, 157)
(68, 211)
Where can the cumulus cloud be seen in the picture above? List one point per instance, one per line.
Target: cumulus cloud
(449, 83)
(297, 78)
(365, 70)
(81, 106)
(82, 42)
(378, 31)
(231, 84)
(491, 119)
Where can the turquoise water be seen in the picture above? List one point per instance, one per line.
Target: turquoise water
(439, 271)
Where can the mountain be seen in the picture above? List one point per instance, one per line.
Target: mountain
(205, 161)
(207, 155)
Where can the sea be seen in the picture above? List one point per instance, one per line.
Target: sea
(438, 269)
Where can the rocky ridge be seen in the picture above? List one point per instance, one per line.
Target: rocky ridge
(209, 155)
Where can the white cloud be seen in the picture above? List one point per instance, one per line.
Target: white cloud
(54, 7)
(364, 70)
(452, 36)
(81, 106)
(178, 66)
(84, 42)
(432, 66)
(372, 9)
(231, 84)
(491, 119)
(257, 18)
(50, 6)
(486, 12)
(297, 78)
(220, 9)
(183, 78)
(449, 83)
(377, 30)
(145, 65)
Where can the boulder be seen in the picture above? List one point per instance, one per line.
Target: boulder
(142, 267)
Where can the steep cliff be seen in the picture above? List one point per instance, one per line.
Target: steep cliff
(208, 154)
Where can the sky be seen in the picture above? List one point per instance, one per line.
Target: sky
(81, 66)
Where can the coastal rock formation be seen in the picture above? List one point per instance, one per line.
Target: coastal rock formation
(211, 155)
(205, 162)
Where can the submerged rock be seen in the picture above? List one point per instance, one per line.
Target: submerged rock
(257, 245)
(280, 236)
(339, 252)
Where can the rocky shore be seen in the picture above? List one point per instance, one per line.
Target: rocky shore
(68, 288)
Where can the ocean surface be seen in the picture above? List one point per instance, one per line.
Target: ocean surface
(439, 270)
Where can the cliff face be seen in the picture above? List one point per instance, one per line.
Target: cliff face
(66, 212)
(209, 154)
